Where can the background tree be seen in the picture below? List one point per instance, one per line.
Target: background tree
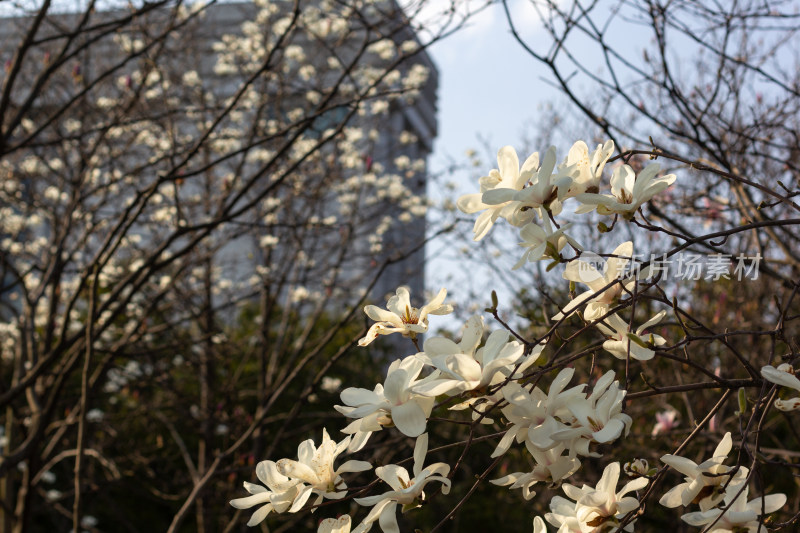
(196, 198)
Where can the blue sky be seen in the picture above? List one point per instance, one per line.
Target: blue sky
(489, 88)
(488, 85)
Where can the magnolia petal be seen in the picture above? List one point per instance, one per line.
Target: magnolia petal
(249, 501)
(505, 480)
(724, 447)
(626, 505)
(436, 346)
(572, 491)
(483, 224)
(297, 470)
(698, 519)
(779, 377)
(673, 497)
(353, 466)
(615, 266)
(498, 196)
(356, 396)
(505, 442)
(301, 499)
(771, 503)
(335, 525)
(791, 404)
(636, 484)
(259, 515)
(439, 387)
(573, 304)
(382, 315)
(360, 439)
(254, 488)
(611, 431)
(376, 511)
(653, 321)
(608, 482)
(508, 162)
(471, 203)
(388, 519)
(420, 451)
(436, 306)
(683, 465)
(395, 385)
(409, 418)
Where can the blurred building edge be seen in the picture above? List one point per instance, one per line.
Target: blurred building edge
(417, 116)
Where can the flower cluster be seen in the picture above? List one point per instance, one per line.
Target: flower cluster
(720, 492)
(507, 382)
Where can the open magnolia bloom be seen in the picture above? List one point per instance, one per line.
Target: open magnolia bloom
(314, 468)
(534, 415)
(278, 495)
(621, 342)
(551, 467)
(562, 516)
(783, 376)
(463, 368)
(542, 241)
(393, 403)
(600, 508)
(400, 317)
(628, 191)
(665, 421)
(407, 492)
(507, 177)
(704, 482)
(598, 303)
(544, 192)
(741, 516)
(599, 418)
(586, 169)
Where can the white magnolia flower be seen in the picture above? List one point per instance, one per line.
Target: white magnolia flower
(586, 169)
(562, 515)
(508, 176)
(741, 516)
(278, 495)
(394, 402)
(550, 467)
(545, 190)
(599, 417)
(704, 482)
(401, 317)
(341, 525)
(314, 467)
(542, 241)
(792, 404)
(783, 376)
(463, 368)
(584, 272)
(534, 415)
(600, 508)
(407, 492)
(665, 421)
(628, 192)
(619, 342)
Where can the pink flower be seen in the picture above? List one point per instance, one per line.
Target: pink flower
(665, 420)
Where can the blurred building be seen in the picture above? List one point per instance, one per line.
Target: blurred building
(218, 23)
